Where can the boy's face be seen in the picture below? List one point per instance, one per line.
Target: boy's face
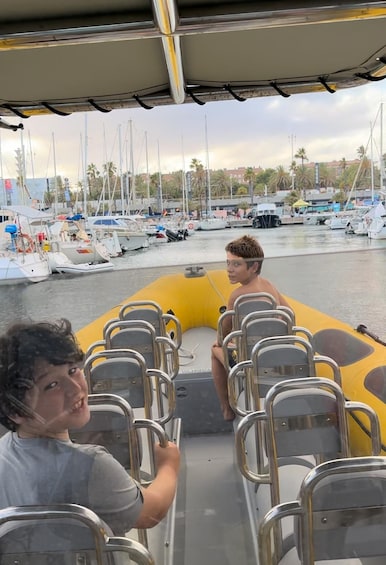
(238, 269)
(58, 401)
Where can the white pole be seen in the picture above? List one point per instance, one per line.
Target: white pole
(209, 210)
(382, 160)
(32, 157)
(160, 180)
(185, 200)
(55, 176)
(121, 169)
(147, 172)
(2, 174)
(133, 193)
(85, 167)
(23, 167)
(372, 164)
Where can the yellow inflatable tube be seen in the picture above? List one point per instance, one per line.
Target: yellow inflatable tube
(196, 302)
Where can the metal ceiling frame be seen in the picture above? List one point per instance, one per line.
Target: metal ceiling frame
(168, 25)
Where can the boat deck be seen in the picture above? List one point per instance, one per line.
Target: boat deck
(212, 524)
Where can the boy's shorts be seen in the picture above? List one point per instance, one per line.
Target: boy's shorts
(232, 357)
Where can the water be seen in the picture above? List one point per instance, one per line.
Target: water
(339, 274)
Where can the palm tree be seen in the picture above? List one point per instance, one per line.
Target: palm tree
(198, 181)
(361, 151)
(280, 180)
(301, 154)
(250, 178)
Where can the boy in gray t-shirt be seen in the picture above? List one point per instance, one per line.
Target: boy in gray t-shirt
(43, 394)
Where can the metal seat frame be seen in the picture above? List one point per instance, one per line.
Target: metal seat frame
(339, 501)
(99, 371)
(97, 549)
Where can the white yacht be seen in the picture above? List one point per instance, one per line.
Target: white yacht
(131, 236)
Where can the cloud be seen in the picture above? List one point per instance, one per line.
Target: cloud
(252, 133)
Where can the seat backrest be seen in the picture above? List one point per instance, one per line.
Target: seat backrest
(258, 325)
(119, 371)
(166, 324)
(112, 425)
(144, 310)
(278, 358)
(346, 503)
(301, 417)
(65, 534)
(134, 334)
(252, 302)
(246, 304)
(340, 514)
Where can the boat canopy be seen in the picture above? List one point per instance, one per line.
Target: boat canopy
(102, 55)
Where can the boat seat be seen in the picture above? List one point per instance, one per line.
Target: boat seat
(165, 324)
(159, 352)
(65, 534)
(123, 372)
(112, 425)
(130, 440)
(256, 326)
(339, 514)
(304, 423)
(274, 359)
(244, 305)
(305, 417)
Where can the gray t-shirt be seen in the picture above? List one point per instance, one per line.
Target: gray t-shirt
(50, 471)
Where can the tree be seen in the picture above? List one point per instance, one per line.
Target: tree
(220, 183)
(250, 178)
(279, 180)
(198, 182)
(301, 154)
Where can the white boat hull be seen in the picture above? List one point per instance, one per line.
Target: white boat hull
(18, 268)
(212, 224)
(60, 263)
(79, 252)
(377, 229)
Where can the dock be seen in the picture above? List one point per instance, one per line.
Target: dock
(291, 220)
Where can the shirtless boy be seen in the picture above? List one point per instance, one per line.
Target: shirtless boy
(244, 261)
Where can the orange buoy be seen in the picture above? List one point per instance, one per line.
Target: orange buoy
(26, 244)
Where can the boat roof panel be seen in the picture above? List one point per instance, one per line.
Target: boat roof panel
(63, 57)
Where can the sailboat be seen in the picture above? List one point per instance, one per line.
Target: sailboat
(21, 259)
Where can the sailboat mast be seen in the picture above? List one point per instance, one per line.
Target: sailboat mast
(382, 160)
(161, 201)
(147, 172)
(185, 203)
(372, 164)
(5, 201)
(133, 189)
(121, 169)
(85, 166)
(209, 195)
(55, 176)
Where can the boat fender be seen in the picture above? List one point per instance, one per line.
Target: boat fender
(362, 329)
(27, 246)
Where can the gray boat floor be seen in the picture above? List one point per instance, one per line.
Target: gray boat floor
(212, 524)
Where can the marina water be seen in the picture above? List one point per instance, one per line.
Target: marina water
(339, 274)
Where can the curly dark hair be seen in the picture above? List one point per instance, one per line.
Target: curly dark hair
(20, 346)
(249, 249)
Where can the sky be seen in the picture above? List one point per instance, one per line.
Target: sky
(262, 132)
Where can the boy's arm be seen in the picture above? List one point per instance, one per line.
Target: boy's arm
(158, 496)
